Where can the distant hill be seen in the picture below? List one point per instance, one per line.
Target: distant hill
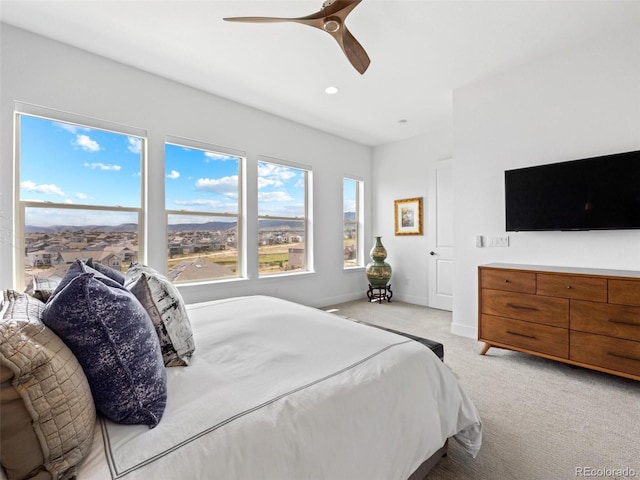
(176, 227)
(207, 227)
(124, 227)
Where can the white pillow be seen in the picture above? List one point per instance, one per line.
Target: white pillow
(165, 306)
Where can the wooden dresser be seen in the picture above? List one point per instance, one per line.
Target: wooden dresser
(585, 317)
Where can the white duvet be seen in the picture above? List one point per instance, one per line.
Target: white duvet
(281, 391)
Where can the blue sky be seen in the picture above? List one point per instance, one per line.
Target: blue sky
(349, 195)
(200, 181)
(64, 163)
(71, 164)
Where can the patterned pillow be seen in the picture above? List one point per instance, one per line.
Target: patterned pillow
(114, 340)
(42, 287)
(165, 306)
(107, 270)
(48, 414)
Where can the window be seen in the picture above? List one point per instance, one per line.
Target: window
(282, 218)
(351, 218)
(80, 194)
(203, 204)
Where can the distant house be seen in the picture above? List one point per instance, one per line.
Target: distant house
(44, 259)
(97, 247)
(126, 254)
(71, 256)
(111, 259)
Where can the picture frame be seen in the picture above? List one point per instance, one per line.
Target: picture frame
(408, 216)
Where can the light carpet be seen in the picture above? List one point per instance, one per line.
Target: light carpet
(542, 420)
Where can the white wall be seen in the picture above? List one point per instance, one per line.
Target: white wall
(401, 170)
(582, 102)
(43, 72)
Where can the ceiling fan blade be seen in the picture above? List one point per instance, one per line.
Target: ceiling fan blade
(353, 50)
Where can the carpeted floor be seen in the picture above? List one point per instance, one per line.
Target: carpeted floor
(542, 420)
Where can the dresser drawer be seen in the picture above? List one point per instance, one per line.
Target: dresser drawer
(521, 306)
(508, 280)
(568, 286)
(529, 336)
(624, 292)
(607, 352)
(606, 319)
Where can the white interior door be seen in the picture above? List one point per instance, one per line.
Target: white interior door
(440, 235)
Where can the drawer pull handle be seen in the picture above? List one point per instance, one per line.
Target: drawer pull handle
(520, 334)
(622, 322)
(626, 357)
(568, 286)
(522, 307)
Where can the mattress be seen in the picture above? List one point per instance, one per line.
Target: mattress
(278, 390)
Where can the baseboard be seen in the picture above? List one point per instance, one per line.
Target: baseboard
(464, 330)
(335, 300)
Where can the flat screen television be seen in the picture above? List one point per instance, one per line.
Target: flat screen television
(600, 193)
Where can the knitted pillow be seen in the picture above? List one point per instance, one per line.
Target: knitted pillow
(113, 338)
(165, 306)
(48, 414)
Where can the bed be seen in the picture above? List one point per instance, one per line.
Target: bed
(277, 390)
(269, 389)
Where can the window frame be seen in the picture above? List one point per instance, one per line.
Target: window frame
(358, 222)
(306, 219)
(240, 215)
(25, 109)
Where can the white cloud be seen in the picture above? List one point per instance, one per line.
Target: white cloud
(81, 196)
(273, 175)
(47, 189)
(279, 196)
(223, 186)
(268, 182)
(209, 156)
(173, 174)
(102, 166)
(68, 201)
(85, 143)
(135, 144)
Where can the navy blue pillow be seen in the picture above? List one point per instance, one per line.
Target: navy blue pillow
(114, 340)
(107, 270)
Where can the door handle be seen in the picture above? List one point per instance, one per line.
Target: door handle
(432, 253)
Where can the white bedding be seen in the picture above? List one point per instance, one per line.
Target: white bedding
(279, 391)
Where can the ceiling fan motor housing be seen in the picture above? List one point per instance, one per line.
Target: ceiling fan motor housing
(332, 24)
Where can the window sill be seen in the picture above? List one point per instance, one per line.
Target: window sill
(287, 274)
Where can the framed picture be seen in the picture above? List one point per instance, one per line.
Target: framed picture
(408, 216)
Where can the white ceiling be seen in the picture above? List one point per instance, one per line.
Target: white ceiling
(420, 51)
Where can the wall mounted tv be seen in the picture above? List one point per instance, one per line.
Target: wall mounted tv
(600, 193)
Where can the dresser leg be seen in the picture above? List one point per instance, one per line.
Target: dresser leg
(485, 349)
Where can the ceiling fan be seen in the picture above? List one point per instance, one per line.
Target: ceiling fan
(330, 19)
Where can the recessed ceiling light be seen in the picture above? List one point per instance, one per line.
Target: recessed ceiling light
(331, 90)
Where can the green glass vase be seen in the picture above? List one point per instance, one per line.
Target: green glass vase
(378, 271)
